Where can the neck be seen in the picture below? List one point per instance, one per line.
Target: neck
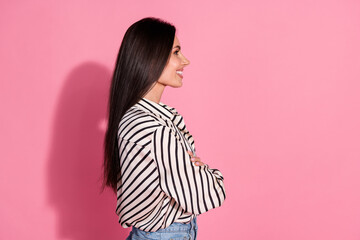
(154, 94)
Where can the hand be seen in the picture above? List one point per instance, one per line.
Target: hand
(196, 160)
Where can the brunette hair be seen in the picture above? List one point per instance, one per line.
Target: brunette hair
(143, 54)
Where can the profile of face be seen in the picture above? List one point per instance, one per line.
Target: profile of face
(172, 74)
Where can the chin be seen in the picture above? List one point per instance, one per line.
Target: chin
(176, 85)
(180, 85)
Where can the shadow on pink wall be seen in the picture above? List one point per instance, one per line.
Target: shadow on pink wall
(76, 155)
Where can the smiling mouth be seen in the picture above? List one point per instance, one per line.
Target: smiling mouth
(179, 73)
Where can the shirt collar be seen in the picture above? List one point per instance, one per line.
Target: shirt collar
(159, 109)
(163, 111)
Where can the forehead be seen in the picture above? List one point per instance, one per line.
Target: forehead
(176, 41)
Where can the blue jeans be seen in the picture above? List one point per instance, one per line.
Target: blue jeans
(176, 231)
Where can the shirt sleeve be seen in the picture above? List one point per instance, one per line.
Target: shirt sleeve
(196, 188)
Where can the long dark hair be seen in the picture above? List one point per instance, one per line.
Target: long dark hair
(143, 54)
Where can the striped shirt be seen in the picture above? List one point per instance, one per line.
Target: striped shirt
(157, 183)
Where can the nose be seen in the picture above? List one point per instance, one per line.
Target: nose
(185, 61)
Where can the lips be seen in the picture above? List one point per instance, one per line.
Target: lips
(180, 72)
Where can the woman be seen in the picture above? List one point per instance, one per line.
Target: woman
(150, 160)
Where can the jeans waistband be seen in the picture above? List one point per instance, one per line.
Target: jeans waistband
(180, 227)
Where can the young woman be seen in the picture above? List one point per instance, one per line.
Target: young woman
(150, 160)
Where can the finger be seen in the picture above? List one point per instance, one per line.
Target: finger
(197, 162)
(195, 159)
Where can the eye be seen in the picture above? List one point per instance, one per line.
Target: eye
(176, 52)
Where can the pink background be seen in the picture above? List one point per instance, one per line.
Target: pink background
(271, 97)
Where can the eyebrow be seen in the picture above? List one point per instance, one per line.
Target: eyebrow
(177, 46)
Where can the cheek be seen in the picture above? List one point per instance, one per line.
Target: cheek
(174, 64)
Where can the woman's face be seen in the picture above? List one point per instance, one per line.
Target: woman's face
(172, 73)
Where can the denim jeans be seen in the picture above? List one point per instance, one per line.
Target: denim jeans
(176, 231)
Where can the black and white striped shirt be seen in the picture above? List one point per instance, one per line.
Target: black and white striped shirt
(158, 184)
